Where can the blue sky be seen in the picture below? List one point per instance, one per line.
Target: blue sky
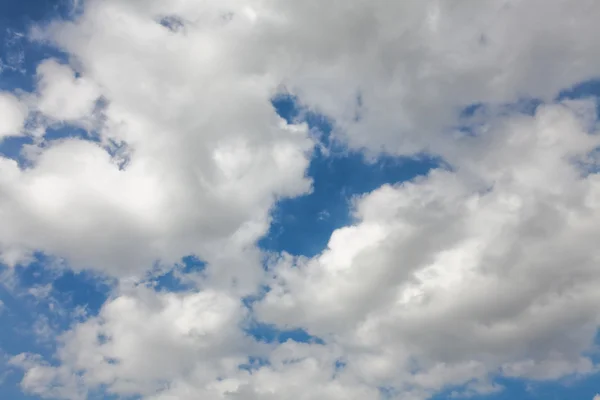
(85, 262)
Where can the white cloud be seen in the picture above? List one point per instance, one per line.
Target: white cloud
(62, 96)
(191, 108)
(76, 202)
(597, 397)
(44, 380)
(206, 155)
(488, 269)
(143, 339)
(394, 75)
(12, 115)
(446, 281)
(450, 280)
(413, 64)
(168, 346)
(40, 292)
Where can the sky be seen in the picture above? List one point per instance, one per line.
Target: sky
(304, 200)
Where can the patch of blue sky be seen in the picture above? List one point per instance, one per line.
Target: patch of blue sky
(174, 280)
(303, 225)
(576, 387)
(268, 333)
(11, 147)
(41, 301)
(19, 55)
(587, 89)
(9, 386)
(103, 394)
(18, 319)
(254, 363)
(48, 298)
(473, 114)
(172, 23)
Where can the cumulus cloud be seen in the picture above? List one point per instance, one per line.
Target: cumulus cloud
(189, 109)
(189, 158)
(489, 268)
(143, 339)
(484, 268)
(13, 114)
(394, 75)
(447, 281)
(77, 203)
(62, 96)
(182, 346)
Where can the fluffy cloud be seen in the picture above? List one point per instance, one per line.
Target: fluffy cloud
(393, 75)
(142, 340)
(77, 203)
(189, 157)
(12, 115)
(187, 90)
(181, 346)
(62, 96)
(43, 379)
(448, 281)
(488, 269)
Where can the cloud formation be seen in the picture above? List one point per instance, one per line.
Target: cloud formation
(485, 268)
(13, 114)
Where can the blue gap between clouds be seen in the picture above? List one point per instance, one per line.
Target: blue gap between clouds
(19, 57)
(303, 225)
(587, 89)
(472, 114)
(16, 51)
(270, 333)
(254, 363)
(590, 88)
(171, 281)
(67, 291)
(12, 146)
